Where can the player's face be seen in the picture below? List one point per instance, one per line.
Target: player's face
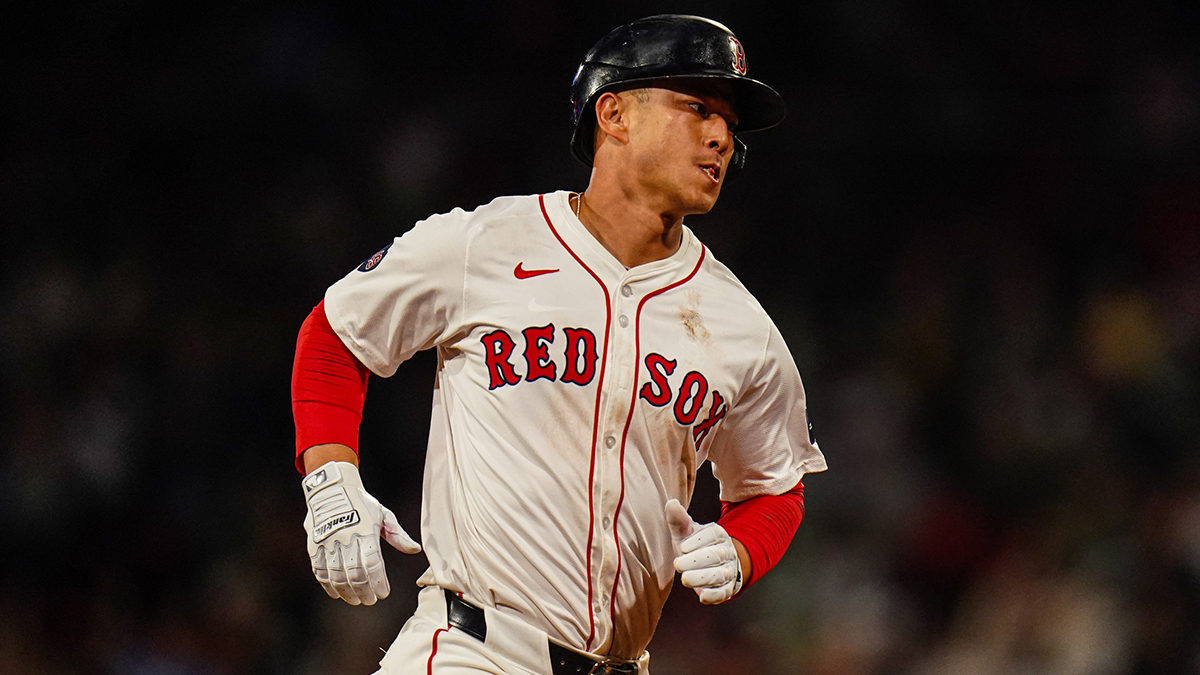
(682, 141)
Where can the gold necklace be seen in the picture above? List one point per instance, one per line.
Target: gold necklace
(578, 203)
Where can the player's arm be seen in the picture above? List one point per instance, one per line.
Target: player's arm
(762, 528)
(329, 389)
(343, 521)
(719, 560)
(405, 298)
(759, 455)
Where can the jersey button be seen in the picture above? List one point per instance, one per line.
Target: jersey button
(626, 291)
(607, 522)
(623, 320)
(609, 442)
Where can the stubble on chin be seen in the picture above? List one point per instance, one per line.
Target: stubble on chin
(675, 187)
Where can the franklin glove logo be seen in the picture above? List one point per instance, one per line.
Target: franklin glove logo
(327, 527)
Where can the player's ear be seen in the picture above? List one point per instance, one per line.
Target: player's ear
(612, 118)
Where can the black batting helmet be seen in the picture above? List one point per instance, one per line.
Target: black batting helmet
(667, 47)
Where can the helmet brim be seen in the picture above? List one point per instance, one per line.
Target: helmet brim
(758, 106)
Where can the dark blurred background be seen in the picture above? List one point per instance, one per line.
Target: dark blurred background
(978, 229)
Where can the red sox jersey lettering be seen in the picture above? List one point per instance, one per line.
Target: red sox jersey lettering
(574, 398)
(579, 359)
(689, 398)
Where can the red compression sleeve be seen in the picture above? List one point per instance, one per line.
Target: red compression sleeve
(329, 387)
(765, 526)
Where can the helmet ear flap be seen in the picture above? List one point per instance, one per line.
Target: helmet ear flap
(737, 161)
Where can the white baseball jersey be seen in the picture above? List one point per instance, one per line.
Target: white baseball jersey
(574, 397)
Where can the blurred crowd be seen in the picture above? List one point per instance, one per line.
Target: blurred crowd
(978, 229)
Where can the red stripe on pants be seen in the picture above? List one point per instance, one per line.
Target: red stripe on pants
(436, 633)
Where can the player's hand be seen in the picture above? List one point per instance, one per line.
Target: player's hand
(343, 526)
(707, 559)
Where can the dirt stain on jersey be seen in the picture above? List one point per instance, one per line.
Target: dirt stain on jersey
(689, 316)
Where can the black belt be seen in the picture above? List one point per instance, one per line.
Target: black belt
(470, 619)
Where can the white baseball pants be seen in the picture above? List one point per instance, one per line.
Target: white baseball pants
(427, 645)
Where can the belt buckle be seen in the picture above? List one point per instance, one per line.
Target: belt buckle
(610, 667)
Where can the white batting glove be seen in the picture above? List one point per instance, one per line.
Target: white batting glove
(707, 561)
(344, 523)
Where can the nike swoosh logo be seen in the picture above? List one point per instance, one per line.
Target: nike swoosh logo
(522, 273)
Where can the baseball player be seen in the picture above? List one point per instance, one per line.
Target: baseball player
(591, 355)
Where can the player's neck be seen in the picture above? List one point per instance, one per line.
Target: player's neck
(634, 232)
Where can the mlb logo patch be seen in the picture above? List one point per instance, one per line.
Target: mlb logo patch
(373, 262)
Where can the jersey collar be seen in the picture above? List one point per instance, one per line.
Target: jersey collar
(593, 253)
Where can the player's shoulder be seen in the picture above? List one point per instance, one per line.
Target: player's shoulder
(739, 310)
(725, 283)
(498, 212)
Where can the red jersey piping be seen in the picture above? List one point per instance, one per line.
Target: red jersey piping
(637, 355)
(595, 421)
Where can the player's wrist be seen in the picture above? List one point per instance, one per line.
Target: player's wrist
(319, 455)
(745, 565)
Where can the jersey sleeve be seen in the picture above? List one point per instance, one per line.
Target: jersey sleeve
(764, 446)
(405, 298)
